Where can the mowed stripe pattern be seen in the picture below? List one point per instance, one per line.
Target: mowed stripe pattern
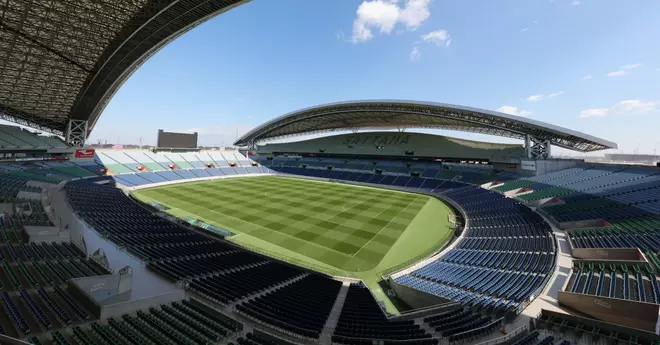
(348, 227)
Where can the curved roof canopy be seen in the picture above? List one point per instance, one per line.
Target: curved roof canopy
(64, 59)
(395, 114)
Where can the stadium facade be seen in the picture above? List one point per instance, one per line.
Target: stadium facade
(541, 250)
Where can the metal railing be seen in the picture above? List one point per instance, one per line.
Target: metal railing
(520, 330)
(497, 322)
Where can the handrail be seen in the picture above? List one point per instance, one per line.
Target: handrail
(498, 321)
(5, 339)
(506, 337)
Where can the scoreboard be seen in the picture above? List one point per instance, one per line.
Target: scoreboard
(172, 140)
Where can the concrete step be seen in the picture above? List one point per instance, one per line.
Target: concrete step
(335, 312)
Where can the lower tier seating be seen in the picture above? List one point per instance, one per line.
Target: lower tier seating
(301, 307)
(362, 318)
(186, 322)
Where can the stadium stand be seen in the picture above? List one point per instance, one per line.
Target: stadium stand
(616, 281)
(362, 318)
(506, 255)
(146, 160)
(16, 137)
(228, 275)
(469, 173)
(301, 307)
(504, 259)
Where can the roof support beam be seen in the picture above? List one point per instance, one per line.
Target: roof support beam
(27, 37)
(537, 148)
(76, 133)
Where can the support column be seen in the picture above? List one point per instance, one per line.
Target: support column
(536, 148)
(76, 133)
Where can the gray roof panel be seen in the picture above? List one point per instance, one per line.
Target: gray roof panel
(393, 114)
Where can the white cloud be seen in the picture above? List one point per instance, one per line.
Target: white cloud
(576, 3)
(594, 112)
(249, 117)
(623, 70)
(524, 29)
(415, 13)
(536, 98)
(415, 54)
(627, 107)
(536, 22)
(657, 69)
(630, 66)
(439, 37)
(634, 107)
(586, 77)
(383, 15)
(509, 109)
(619, 73)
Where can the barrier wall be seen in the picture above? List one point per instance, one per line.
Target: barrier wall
(145, 282)
(633, 314)
(48, 234)
(415, 298)
(426, 311)
(616, 254)
(606, 328)
(589, 223)
(28, 196)
(7, 208)
(548, 166)
(118, 309)
(99, 288)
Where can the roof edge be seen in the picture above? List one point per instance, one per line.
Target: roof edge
(253, 135)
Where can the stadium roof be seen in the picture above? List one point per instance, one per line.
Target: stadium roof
(64, 59)
(396, 114)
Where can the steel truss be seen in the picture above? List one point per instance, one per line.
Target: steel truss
(65, 59)
(537, 148)
(76, 133)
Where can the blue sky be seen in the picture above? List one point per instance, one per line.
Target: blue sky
(590, 65)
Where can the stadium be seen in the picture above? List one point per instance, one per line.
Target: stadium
(342, 223)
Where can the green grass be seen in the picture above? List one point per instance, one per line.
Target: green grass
(339, 229)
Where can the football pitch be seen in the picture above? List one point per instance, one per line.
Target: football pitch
(337, 228)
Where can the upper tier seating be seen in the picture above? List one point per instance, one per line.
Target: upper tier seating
(586, 180)
(147, 160)
(16, 137)
(193, 160)
(111, 160)
(178, 160)
(615, 281)
(159, 158)
(370, 177)
(470, 173)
